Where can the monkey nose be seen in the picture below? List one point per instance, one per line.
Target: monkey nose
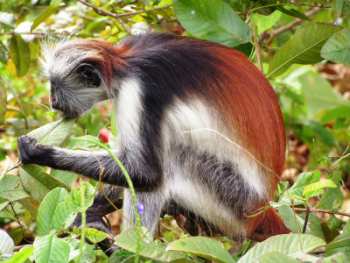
(54, 103)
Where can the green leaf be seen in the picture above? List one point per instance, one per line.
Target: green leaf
(302, 48)
(53, 133)
(276, 257)
(296, 191)
(332, 199)
(292, 220)
(287, 244)
(51, 9)
(212, 20)
(292, 12)
(95, 236)
(337, 48)
(340, 244)
(202, 246)
(264, 23)
(315, 189)
(319, 131)
(319, 94)
(50, 249)
(21, 256)
(11, 188)
(20, 54)
(51, 213)
(151, 249)
(3, 102)
(336, 113)
(3, 204)
(66, 177)
(37, 182)
(336, 258)
(88, 192)
(6, 243)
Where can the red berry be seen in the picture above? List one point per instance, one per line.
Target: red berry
(104, 135)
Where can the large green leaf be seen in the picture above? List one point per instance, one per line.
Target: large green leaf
(287, 244)
(51, 9)
(202, 246)
(337, 48)
(83, 197)
(20, 54)
(37, 182)
(154, 250)
(21, 256)
(11, 188)
(340, 244)
(292, 220)
(53, 133)
(302, 48)
(94, 236)
(263, 22)
(54, 212)
(50, 249)
(276, 257)
(317, 188)
(212, 20)
(319, 94)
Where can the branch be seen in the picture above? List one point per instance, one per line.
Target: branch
(103, 12)
(268, 37)
(315, 210)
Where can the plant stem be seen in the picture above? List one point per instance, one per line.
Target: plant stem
(83, 221)
(315, 210)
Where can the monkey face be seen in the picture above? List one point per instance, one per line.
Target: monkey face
(78, 91)
(76, 81)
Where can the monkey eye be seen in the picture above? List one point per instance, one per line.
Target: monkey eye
(89, 74)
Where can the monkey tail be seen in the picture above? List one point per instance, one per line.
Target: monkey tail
(267, 224)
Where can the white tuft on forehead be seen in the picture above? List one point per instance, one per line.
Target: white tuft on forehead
(59, 58)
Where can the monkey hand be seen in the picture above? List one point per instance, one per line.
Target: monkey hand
(30, 151)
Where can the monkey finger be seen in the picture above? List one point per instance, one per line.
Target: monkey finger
(26, 146)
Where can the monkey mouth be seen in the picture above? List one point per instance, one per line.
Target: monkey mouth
(66, 114)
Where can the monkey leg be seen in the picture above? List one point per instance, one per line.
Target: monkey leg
(107, 201)
(149, 206)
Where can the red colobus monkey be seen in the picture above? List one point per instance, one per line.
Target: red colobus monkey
(199, 125)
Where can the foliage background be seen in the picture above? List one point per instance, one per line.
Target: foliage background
(303, 47)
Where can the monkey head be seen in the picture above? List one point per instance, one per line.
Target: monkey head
(79, 74)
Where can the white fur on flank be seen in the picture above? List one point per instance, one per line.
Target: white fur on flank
(199, 125)
(129, 111)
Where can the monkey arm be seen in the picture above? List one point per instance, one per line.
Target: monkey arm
(97, 165)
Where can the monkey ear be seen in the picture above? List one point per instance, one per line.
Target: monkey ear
(89, 74)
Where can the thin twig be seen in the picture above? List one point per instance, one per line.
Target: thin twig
(307, 215)
(316, 210)
(16, 216)
(117, 16)
(269, 36)
(340, 159)
(257, 48)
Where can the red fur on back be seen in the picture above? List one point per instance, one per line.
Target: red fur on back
(251, 106)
